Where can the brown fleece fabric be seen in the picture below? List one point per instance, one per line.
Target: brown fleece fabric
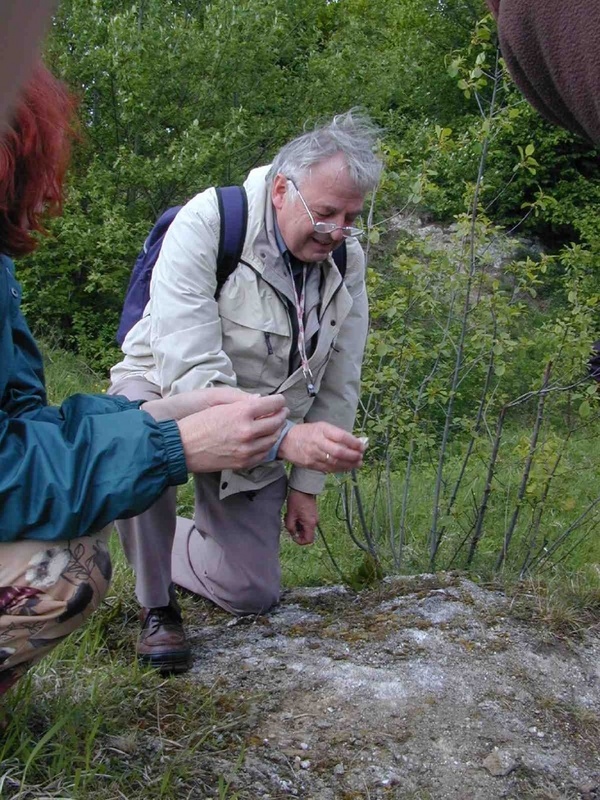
(552, 51)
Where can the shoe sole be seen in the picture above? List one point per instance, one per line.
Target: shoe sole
(167, 663)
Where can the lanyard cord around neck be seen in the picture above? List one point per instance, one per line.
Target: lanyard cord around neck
(300, 303)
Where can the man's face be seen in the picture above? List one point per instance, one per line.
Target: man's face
(330, 196)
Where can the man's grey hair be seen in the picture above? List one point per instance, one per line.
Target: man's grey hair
(352, 134)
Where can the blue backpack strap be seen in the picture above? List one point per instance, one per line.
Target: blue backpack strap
(340, 256)
(233, 212)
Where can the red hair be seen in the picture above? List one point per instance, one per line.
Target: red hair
(34, 154)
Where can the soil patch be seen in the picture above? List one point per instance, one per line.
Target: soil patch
(426, 687)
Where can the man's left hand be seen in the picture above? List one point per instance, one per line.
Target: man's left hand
(301, 516)
(185, 404)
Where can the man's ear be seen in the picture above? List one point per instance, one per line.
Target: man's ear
(279, 191)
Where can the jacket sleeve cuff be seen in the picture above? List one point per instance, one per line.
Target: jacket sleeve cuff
(123, 403)
(176, 466)
(309, 481)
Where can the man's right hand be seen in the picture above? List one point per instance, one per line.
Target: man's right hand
(234, 435)
(322, 446)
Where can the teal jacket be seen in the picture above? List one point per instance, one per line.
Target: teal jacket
(67, 471)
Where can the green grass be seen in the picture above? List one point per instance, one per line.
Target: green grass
(66, 374)
(90, 724)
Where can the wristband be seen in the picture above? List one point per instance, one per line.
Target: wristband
(272, 454)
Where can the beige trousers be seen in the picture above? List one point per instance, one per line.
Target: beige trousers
(47, 590)
(229, 552)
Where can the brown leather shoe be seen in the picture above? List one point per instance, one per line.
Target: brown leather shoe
(162, 643)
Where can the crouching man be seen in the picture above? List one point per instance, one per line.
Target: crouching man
(290, 319)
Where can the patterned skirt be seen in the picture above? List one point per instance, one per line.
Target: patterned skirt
(47, 590)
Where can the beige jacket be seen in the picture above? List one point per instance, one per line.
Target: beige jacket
(187, 339)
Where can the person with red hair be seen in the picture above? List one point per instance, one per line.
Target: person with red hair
(34, 156)
(66, 472)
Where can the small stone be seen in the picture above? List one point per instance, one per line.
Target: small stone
(293, 752)
(305, 764)
(126, 744)
(339, 769)
(303, 746)
(586, 788)
(499, 763)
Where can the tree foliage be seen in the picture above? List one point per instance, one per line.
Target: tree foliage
(177, 96)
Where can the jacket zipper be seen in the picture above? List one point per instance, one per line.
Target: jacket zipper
(294, 336)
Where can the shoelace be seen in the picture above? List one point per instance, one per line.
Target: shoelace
(162, 616)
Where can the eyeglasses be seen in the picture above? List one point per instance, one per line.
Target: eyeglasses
(327, 227)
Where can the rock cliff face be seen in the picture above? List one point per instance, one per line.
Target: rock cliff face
(427, 687)
(493, 255)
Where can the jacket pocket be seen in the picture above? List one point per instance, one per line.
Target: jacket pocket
(318, 369)
(258, 352)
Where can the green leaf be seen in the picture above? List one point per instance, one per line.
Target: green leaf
(585, 409)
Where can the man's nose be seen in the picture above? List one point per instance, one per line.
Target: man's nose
(337, 235)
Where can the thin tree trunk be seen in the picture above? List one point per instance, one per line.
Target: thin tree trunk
(527, 468)
(539, 512)
(478, 525)
(478, 421)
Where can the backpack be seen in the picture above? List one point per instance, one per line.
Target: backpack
(233, 213)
